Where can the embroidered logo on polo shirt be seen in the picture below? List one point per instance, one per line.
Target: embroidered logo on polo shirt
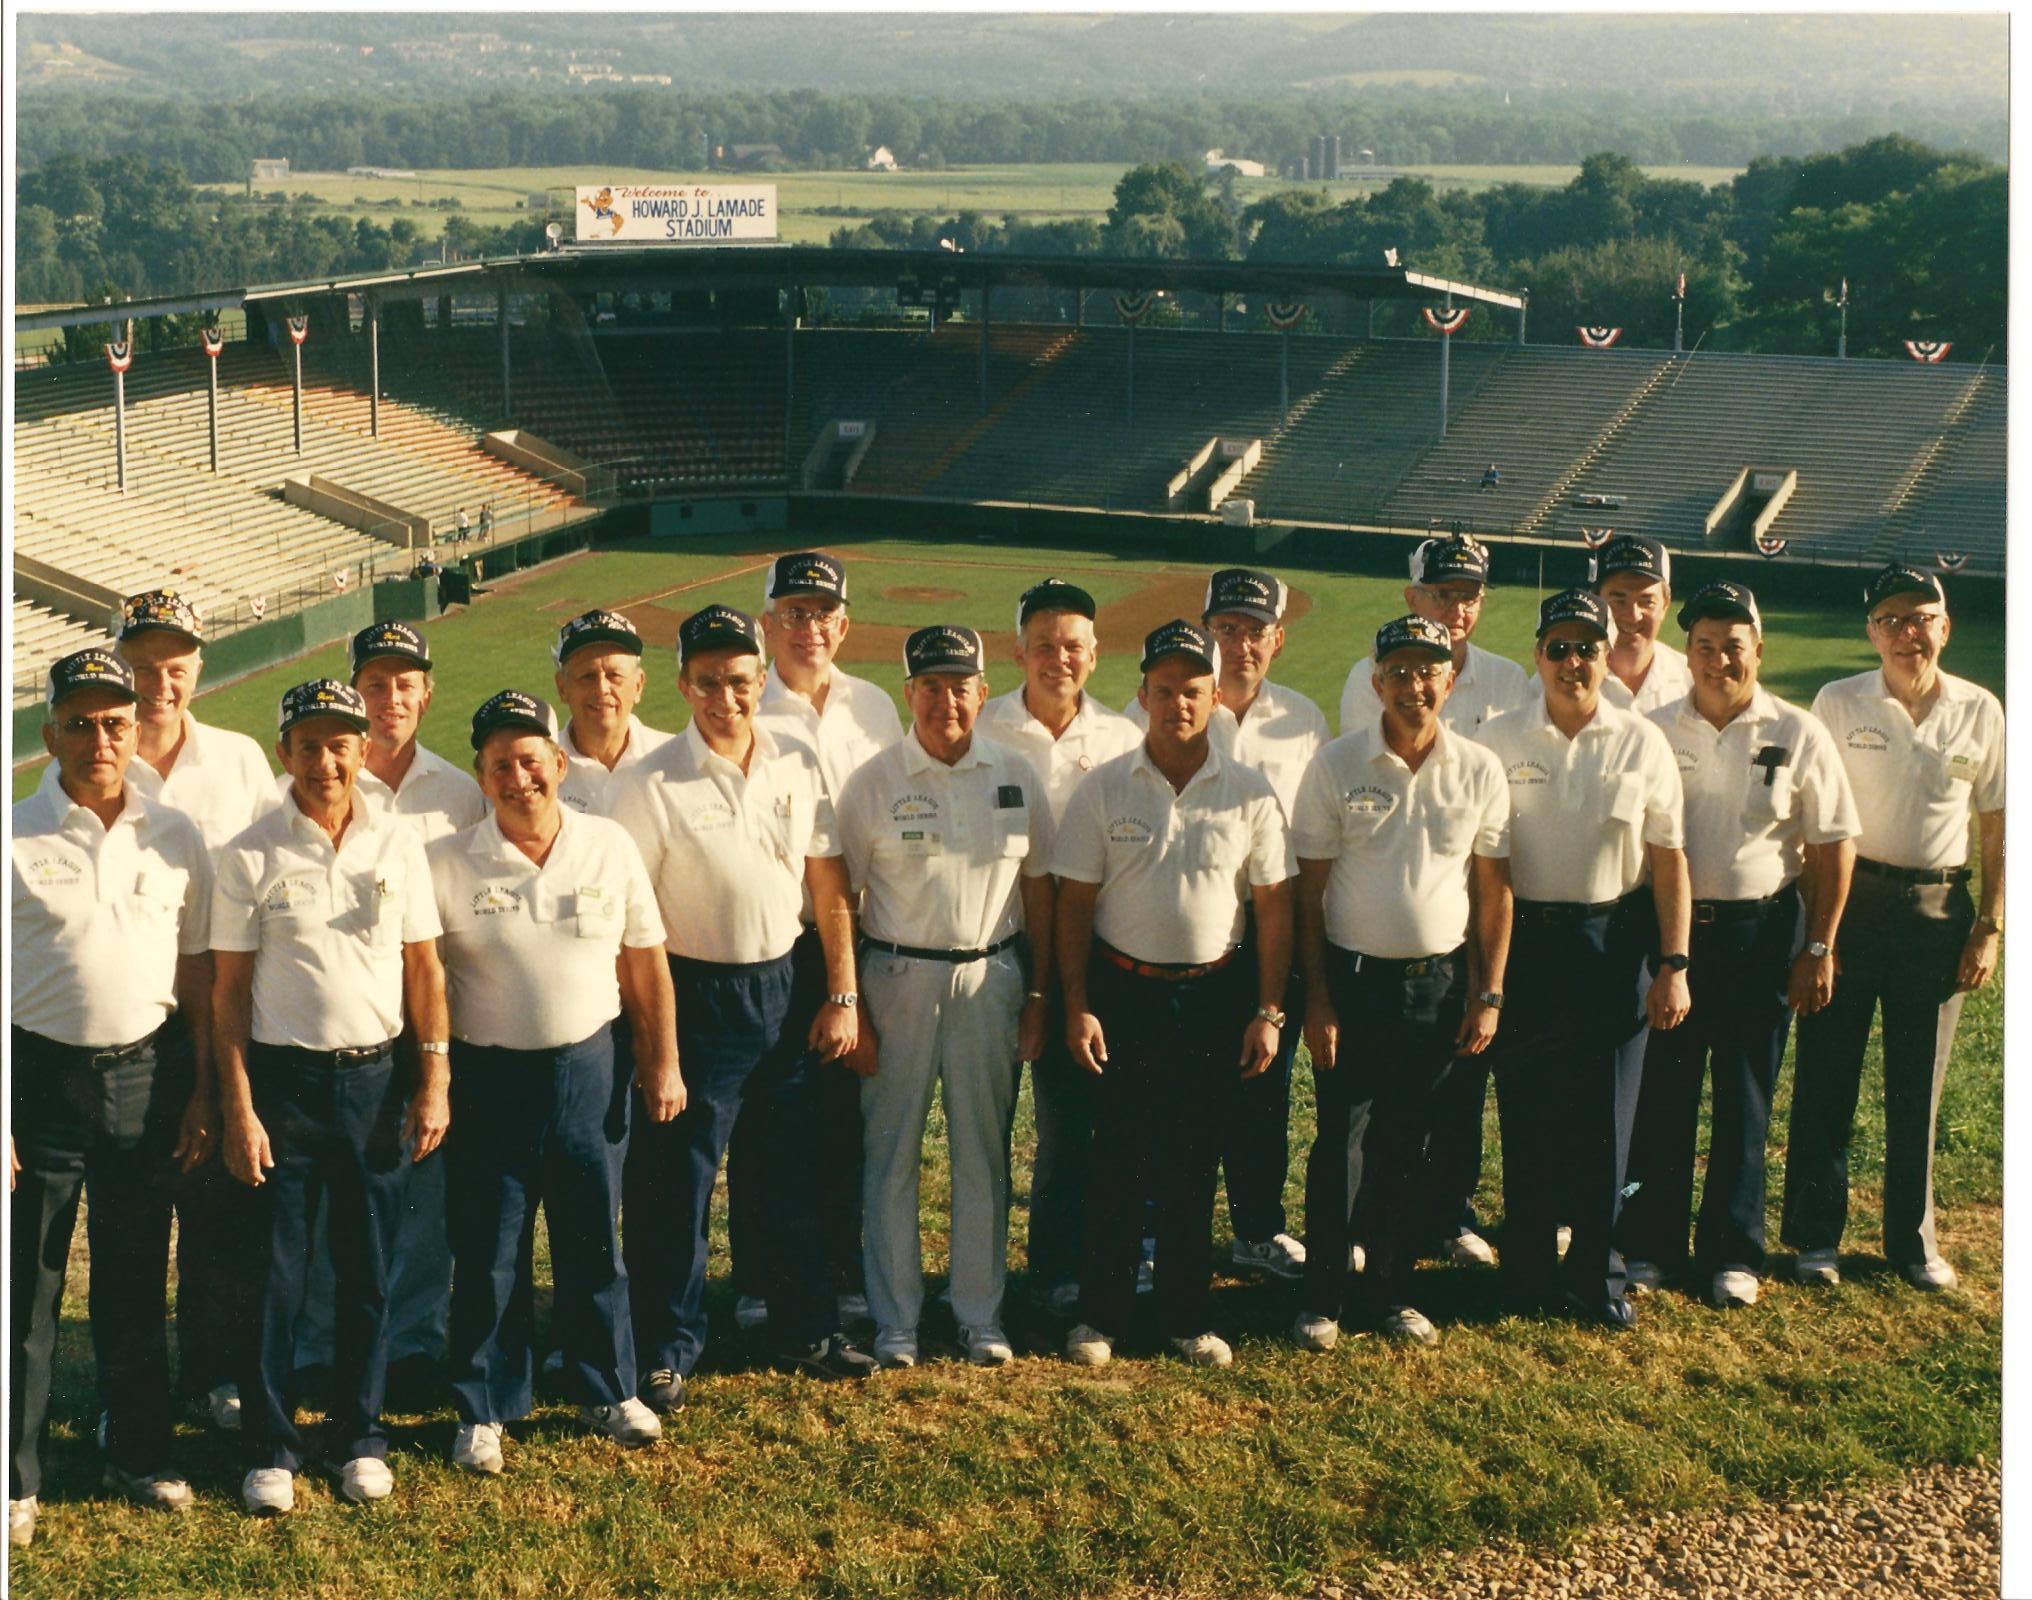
(291, 894)
(1867, 737)
(1368, 801)
(1128, 830)
(1687, 759)
(495, 901)
(1528, 772)
(913, 808)
(53, 872)
(713, 814)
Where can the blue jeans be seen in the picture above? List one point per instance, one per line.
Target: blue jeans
(336, 1134)
(532, 1126)
(105, 1129)
(740, 1061)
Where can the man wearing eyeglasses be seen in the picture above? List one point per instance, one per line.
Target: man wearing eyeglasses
(1770, 831)
(1595, 811)
(111, 904)
(846, 720)
(1923, 749)
(1449, 582)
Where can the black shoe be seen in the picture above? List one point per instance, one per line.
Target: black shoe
(662, 1391)
(834, 1358)
(416, 1383)
(1616, 1315)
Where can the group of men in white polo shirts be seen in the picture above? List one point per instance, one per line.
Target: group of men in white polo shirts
(611, 959)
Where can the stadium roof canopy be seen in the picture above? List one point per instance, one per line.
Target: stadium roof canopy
(685, 268)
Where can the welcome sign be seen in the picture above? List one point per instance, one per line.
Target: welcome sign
(654, 213)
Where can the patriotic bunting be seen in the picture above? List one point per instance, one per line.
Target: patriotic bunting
(1598, 338)
(1595, 538)
(1928, 350)
(1767, 546)
(120, 354)
(1390, 257)
(340, 579)
(1133, 307)
(1951, 563)
(1284, 315)
(1680, 293)
(299, 329)
(259, 606)
(1448, 322)
(214, 341)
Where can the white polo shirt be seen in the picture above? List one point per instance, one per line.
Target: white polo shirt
(1915, 784)
(1670, 679)
(529, 951)
(726, 850)
(1747, 824)
(936, 850)
(859, 719)
(1279, 737)
(1094, 735)
(1583, 809)
(436, 796)
(221, 780)
(1400, 840)
(1486, 686)
(100, 915)
(326, 926)
(588, 784)
(1175, 869)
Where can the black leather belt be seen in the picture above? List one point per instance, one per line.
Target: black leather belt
(1394, 966)
(1706, 912)
(958, 958)
(1883, 869)
(83, 1053)
(335, 1058)
(1561, 911)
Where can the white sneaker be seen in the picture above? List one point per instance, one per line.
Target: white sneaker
(1280, 1255)
(477, 1447)
(21, 1522)
(223, 1405)
(1358, 1258)
(896, 1347)
(987, 1346)
(366, 1478)
(1089, 1347)
(1315, 1333)
(1408, 1325)
(164, 1490)
(630, 1423)
(1563, 1241)
(1469, 1249)
(1733, 1286)
(853, 1307)
(1205, 1350)
(1641, 1277)
(1818, 1267)
(269, 1491)
(1931, 1275)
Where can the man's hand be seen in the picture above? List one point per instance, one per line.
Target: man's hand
(866, 1057)
(1084, 1039)
(247, 1153)
(13, 1164)
(1259, 1047)
(663, 1091)
(430, 1113)
(832, 1031)
(1477, 1028)
(1669, 1001)
(1030, 1030)
(1322, 1029)
(1978, 961)
(1811, 984)
(197, 1133)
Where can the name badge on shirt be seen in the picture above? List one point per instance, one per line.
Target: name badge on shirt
(1962, 766)
(595, 910)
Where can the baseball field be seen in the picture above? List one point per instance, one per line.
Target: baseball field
(1149, 1477)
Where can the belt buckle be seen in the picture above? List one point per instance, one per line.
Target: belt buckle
(1703, 913)
(1418, 968)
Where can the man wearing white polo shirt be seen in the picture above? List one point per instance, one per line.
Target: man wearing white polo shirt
(222, 782)
(1065, 732)
(324, 941)
(1770, 843)
(1595, 812)
(600, 680)
(1633, 575)
(1391, 825)
(1923, 749)
(550, 929)
(734, 826)
(1159, 852)
(948, 839)
(110, 901)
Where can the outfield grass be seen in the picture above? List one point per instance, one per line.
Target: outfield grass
(1148, 1477)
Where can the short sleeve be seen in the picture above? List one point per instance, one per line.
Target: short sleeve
(194, 927)
(1043, 833)
(1315, 823)
(236, 888)
(1079, 850)
(1270, 857)
(1830, 813)
(1492, 826)
(825, 825)
(419, 905)
(1664, 795)
(856, 839)
(642, 925)
(1988, 794)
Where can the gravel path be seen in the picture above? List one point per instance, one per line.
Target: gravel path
(1931, 1536)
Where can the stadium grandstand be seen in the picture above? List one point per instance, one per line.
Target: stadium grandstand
(345, 430)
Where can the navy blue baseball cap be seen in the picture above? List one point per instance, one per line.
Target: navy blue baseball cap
(1630, 552)
(161, 611)
(1053, 594)
(1413, 633)
(1181, 638)
(322, 697)
(596, 627)
(389, 639)
(1255, 594)
(1573, 605)
(1898, 578)
(807, 572)
(1730, 601)
(511, 708)
(1457, 556)
(944, 647)
(718, 628)
(91, 669)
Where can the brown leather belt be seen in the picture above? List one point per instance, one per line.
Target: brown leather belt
(1159, 970)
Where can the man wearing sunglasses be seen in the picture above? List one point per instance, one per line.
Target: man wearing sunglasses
(1923, 749)
(1595, 807)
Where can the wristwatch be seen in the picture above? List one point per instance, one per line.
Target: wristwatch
(435, 1047)
(849, 1000)
(1989, 924)
(1271, 1015)
(1491, 999)
(1676, 963)
(1817, 950)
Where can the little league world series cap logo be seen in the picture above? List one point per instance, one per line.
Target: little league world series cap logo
(596, 627)
(1413, 633)
(389, 639)
(944, 647)
(90, 669)
(1181, 638)
(511, 708)
(323, 697)
(1573, 605)
(1898, 578)
(1459, 555)
(160, 609)
(808, 572)
(1240, 589)
(717, 628)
